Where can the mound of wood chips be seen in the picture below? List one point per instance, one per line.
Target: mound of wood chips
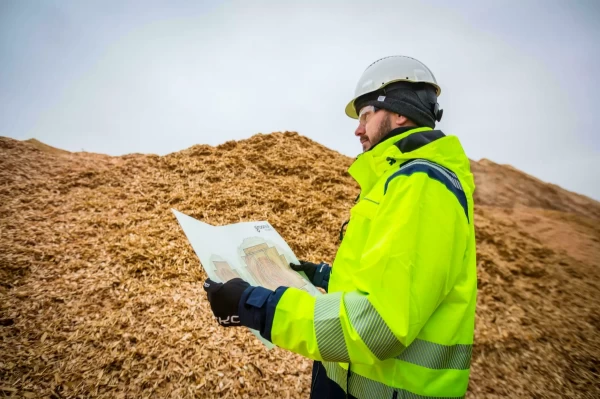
(101, 294)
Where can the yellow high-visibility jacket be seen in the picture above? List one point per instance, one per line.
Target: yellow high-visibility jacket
(398, 319)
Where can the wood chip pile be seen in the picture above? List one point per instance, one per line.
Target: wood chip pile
(101, 294)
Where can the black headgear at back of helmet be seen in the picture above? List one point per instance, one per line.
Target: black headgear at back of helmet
(416, 101)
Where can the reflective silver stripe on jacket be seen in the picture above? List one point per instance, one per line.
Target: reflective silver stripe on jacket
(377, 336)
(328, 328)
(366, 388)
(451, 176)
(437, 356)
(372, 329)
(336, 373)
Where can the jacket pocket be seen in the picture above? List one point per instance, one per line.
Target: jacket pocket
(366, 208)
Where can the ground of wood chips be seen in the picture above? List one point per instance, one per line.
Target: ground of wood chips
(101, 294)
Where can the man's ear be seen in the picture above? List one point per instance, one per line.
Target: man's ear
(401, 120)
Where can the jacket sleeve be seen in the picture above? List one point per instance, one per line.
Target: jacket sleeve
(413, 254)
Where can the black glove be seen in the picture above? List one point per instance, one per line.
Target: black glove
(225, 299)
(318, 274)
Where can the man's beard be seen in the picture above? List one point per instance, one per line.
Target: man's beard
(382, 130)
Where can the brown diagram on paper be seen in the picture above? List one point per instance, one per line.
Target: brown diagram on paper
(224, 271)
(269, 268)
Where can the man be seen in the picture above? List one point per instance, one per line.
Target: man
(398, 318)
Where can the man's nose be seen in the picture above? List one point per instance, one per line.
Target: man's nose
(360, 130)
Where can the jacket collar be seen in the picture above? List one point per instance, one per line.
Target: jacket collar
(372, 164)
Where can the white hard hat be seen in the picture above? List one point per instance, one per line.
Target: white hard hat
(381, 73)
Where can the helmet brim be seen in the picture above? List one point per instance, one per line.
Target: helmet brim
(350, 111)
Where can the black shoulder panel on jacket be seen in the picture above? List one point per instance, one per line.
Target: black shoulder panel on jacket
(418, 140)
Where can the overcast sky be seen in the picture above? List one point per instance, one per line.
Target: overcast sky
(518, 78)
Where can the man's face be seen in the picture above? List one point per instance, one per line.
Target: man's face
(372, 126)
